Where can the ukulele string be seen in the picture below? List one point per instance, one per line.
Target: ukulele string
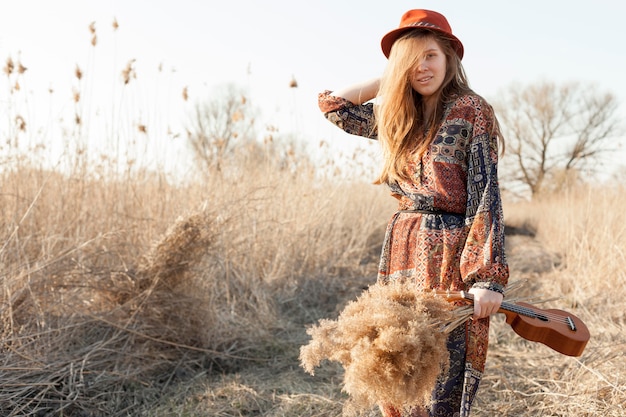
(526, 311)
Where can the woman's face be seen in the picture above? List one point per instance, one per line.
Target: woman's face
(429, 73)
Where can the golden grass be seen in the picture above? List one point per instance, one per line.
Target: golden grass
(140, 296)
(581, 237)
(114, 289)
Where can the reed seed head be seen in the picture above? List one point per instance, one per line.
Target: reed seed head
(388, 343)
(9, 66)
(20, 123)
(129, 71)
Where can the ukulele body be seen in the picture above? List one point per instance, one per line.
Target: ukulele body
(557, 329)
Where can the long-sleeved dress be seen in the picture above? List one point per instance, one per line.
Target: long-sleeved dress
(448, 232)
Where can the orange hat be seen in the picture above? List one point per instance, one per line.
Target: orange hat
(421, 19)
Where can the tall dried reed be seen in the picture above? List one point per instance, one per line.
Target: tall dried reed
(585, 227)
(108, 284)
(583, 235)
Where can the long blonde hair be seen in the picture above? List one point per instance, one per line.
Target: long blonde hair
(403, 128)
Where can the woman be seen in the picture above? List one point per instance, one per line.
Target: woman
(440, 146)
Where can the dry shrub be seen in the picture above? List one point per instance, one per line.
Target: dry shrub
(388, 343)
(183, 309)
(199, 295)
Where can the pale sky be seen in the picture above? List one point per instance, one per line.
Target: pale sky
(260, 45)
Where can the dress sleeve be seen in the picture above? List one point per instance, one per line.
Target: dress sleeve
(483, 260)
(355, 119)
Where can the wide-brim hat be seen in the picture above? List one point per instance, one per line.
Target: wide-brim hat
(421, 19)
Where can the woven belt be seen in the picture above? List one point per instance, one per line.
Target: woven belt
(428, 211)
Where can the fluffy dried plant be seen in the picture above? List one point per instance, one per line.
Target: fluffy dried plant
(390, 344)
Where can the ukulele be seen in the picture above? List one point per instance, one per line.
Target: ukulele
(557, 329)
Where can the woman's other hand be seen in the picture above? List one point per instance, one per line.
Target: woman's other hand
(486, 302)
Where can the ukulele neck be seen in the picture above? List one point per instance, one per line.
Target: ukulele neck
(512, 308)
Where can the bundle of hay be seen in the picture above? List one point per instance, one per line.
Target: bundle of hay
(390, 344)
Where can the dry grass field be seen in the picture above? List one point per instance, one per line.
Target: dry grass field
(131, 296)
(125, 293)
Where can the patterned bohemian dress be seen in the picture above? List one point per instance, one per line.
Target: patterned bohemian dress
(448, 232)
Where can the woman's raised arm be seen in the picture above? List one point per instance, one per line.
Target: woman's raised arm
(359, 93)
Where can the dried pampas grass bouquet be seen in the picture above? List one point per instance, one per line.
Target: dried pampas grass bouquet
(390, 344)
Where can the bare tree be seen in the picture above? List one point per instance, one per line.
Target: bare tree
(553, 132)
(219, 124)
